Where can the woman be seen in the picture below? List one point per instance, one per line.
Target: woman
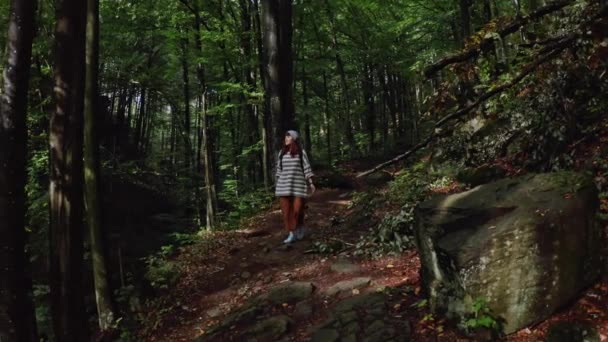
(294, 174)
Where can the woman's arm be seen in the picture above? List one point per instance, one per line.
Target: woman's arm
(307, 168)
(308, 174)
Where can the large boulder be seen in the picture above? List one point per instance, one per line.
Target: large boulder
(526, 246)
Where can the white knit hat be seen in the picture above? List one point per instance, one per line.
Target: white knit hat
(293, 134)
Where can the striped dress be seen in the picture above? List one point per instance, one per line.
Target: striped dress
(291, 179)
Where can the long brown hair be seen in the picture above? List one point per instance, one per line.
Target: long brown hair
(293, 148)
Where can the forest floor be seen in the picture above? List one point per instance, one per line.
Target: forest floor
(223, 274)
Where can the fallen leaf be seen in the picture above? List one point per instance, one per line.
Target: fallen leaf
(355, 291)
(389, 266)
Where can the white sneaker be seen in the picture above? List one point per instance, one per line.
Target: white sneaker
(290, 238)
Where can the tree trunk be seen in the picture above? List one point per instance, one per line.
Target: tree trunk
(17, 319)
(327, 119)
(251, 129)
(307, 134)
(186, 126)
(368, 97)
(265, 117)
(66, 175)
(103, 293)
(138, 135)
(465, 19)
(348, 130)
(286, 74)
(207, 138)
(278, 72)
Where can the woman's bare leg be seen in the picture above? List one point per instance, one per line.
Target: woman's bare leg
(287, 209)
(298, 211)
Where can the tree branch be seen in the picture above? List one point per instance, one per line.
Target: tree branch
(545, 54)
(487, 43)
(190, 8)
(557, 48)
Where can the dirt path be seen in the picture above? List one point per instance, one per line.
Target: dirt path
(241, 265)
(222, 276)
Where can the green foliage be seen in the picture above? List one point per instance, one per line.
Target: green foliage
(242, 206)
(392, 236)
(161, 273)
(411, 186)
(330, 247)
(41, 294)
(480, 316)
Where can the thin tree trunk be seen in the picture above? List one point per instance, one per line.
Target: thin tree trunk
(139, 134)
(66, 176)
(306, 114)
(173, 138)
(186, 80)
(348, 130)
(17, 319)
(465, 19)
(251, 129)
(209, 174)
(327, 119)
(207, 137)
(265, 117)
(103, 293)
(368, 95)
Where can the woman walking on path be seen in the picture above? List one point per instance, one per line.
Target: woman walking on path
(293, 176)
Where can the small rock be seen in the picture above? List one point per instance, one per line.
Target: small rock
(376, 325)
(366, 302)
(215, 312)
(344, 267)
(347, 286)
(270, 329)
(291, 292)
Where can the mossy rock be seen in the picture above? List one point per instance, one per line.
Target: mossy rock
(481, 175)
(291, 292)
(270, 329)
(473, 245)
